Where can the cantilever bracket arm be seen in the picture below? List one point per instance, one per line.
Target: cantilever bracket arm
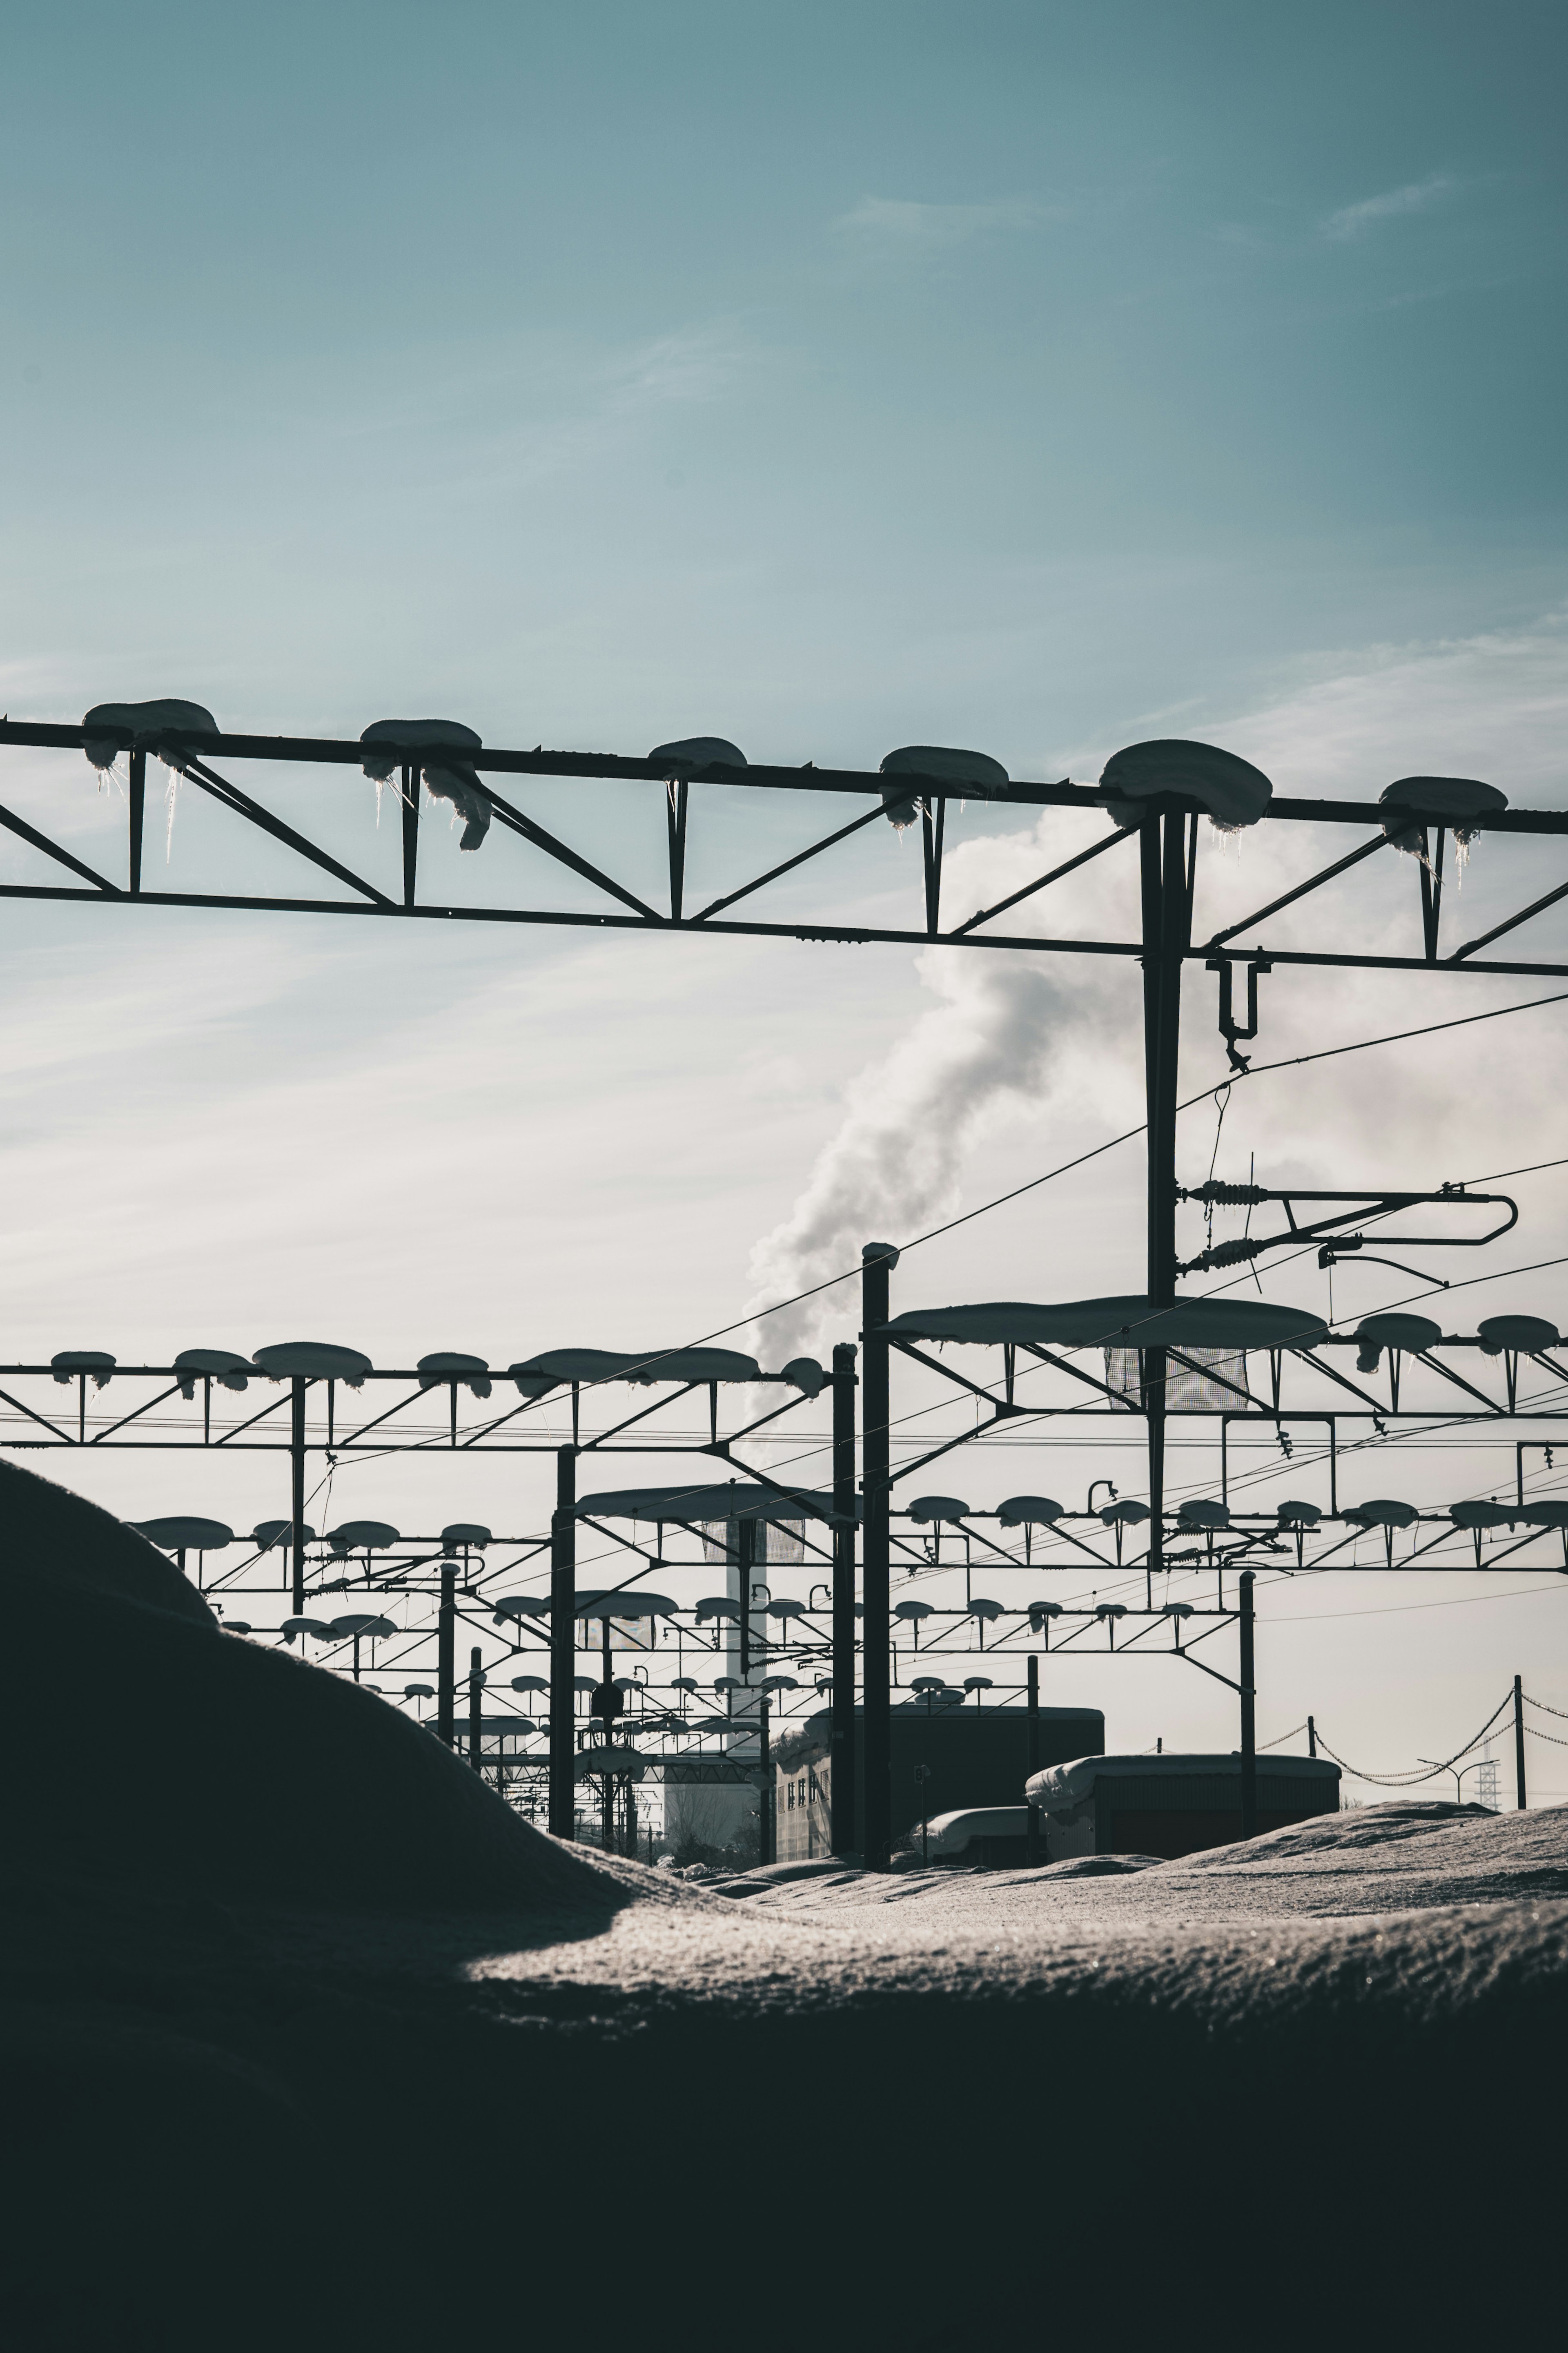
(30, 834)
(1537, 906)
(716, 906)
(232, 797)
(1315, 883)
(542, 839)
(1095, 850)
(1246, 1690)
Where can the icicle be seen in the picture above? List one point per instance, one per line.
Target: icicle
(171, 797)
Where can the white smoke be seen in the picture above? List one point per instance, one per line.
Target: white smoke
(1008, 1034)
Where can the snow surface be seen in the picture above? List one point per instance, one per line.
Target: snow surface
(309, 2040)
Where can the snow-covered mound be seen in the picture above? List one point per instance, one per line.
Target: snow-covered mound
(138, 1740)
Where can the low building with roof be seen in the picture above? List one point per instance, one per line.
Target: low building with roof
(1173, 1805)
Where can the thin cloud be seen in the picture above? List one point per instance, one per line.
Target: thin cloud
(897, 224)
(1353, 220)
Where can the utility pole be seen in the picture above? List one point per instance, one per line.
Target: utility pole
(1167, 849)
(1032, 1840)
(563, 1656)
(877, 1263)
(1249, 1715)
(1520, 1795)
(297, 1495)
(841, 1749)
(476, 1702)
(446, 1661)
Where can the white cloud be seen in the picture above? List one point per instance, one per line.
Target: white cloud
(1353, 220)
(895, 223)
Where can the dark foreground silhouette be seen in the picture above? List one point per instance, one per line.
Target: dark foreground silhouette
(308, 2041)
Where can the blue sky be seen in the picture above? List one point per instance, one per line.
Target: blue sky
(1034, 377)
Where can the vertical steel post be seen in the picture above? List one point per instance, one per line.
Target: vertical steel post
(138, 816)
(1249, 1715)
(766, 1789)
(1519, 1789)
(1166, 875)
(1311, 1735)
(841, 1788)
(877, 1261)
(297, 1494)
(676, 793)
(563, 1625)
(476, 1702)
(745, 1549)
(409, 803)
(445, 1655)
(606, 1727)
(1032, 1844)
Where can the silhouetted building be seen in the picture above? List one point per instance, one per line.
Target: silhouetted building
(973, 1756)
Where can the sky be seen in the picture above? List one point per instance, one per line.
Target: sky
(1023, 376)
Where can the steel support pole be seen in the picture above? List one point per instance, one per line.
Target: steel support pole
(1311, 1735)
(841, 1786)
(1166, 855)
(297, 1495)
(1248, 1714)
(408, 802)
(1032, 1844)
(765, 1788)
(563, 1625)
(476, 1703)
(877, 1261)
(138, 816)
(1520, 1794)
(746, 1561)
(446, 1656)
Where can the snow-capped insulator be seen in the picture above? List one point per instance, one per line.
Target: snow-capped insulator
(1529, 1334)
(453, 779)
(1416, 802)
(1375, 1333)
(361, 1535)
(975, 772)
(1382, 1511)
(449, 1364)
(1028, 1511)
(267, 1533)
(111, 727)
(1231, 791)
(230, 1370)
(313, 1360)
(691, 753)
(185, 1534)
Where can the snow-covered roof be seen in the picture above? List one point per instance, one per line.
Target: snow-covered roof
(951, 1833)
(1060, 1788)
(1124, 1322)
